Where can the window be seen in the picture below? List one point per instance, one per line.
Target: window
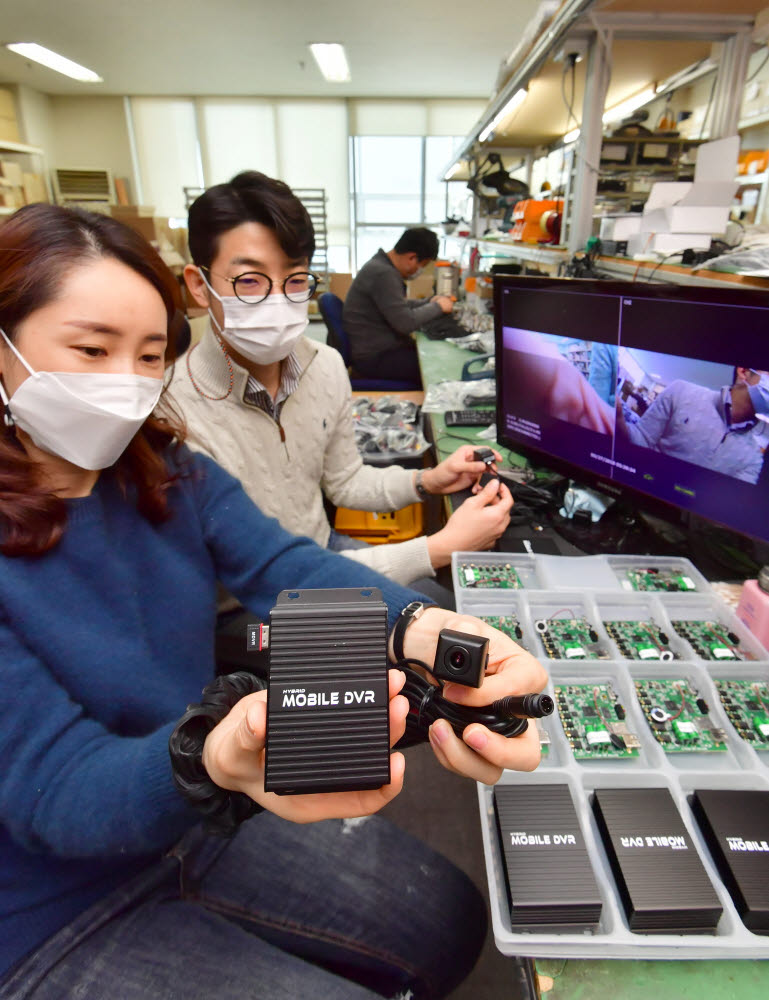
(396, 184)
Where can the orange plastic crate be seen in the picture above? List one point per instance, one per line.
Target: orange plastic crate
(381, 527)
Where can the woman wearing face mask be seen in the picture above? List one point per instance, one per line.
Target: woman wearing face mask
(112, 537)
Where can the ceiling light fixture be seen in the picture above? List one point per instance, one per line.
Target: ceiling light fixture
(571, 136)
(627, 107)
(331, 60)
(517, 99)
(60, 64)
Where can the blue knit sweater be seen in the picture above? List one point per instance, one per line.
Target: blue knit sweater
(103, 643)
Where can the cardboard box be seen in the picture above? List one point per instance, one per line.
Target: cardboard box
(666, 242)
(11, 197)
(422, 287)
(620, 227)
(34, 188)
(9, 128)
(144, 225)
(11, 172)
(120, 211)
(339, 283)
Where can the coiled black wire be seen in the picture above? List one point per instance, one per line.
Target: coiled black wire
(426, 704)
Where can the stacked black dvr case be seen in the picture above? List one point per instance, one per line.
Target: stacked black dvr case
(735, 826)
(660, 878)
(550, 881)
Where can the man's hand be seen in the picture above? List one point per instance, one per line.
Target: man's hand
(475, 525)
(444, 301)
(234, 757)
(480, 754)
(457, 472)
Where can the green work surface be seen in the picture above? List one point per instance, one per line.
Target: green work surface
(441, 362)
(640, 980)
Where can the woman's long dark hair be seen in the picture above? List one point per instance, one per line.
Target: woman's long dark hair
(39, 245)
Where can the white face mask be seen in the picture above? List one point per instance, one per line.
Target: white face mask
(759, 394)
(88, 418)
(263, 331)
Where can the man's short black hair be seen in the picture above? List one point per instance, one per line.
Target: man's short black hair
(421, 241)
(249, 197)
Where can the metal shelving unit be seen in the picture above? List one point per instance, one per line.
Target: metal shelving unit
(638, 162)
(314, 200)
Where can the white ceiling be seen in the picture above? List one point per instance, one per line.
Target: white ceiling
(396, 48)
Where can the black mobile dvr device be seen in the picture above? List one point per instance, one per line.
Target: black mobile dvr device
(735, 826)
(550, 882)
(327, 706)
(661, 880)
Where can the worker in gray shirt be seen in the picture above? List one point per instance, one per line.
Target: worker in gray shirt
(714, 428)
(378, 317)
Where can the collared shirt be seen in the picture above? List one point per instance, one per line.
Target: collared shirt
(257, 395)
(689, 422)
(726, 403)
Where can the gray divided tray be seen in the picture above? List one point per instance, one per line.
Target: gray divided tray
(599, 588)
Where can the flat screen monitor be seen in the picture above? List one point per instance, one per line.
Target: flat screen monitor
(654, 393)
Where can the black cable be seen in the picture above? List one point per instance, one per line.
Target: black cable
(758, 69)
(427, 704)
(662, 260)
(458, 437)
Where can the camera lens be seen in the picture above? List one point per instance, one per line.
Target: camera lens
(456, 659)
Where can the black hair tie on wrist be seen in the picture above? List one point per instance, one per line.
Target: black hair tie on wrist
(223, 810)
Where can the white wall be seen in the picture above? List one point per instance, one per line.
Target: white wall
(35, 117)
(90, 132)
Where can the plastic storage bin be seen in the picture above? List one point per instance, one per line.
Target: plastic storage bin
(549, 584)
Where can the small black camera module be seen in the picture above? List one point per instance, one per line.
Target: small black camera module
(461, 658)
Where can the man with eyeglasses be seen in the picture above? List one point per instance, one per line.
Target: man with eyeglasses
(273, 407)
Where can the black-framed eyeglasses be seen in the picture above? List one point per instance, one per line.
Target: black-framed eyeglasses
(253, 287)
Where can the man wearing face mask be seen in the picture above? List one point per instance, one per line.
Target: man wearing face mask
(715, 428)
(378, 317)
(273, 407)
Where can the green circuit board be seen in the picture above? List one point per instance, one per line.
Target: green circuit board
(712, 640)
(747, 706)
(667, 580)
(509, 624)
(544, 737)
(640, 640)
(678, 717)
(502, 576)
(593, 719)
(570, 639)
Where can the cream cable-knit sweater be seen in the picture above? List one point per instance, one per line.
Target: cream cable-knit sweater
(285, 468)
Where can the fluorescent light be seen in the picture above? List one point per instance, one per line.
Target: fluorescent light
(571, 136)
(487, 131)
(627, 107)
(454, 170)
(518, 98)
(39, 54)
(332, 61)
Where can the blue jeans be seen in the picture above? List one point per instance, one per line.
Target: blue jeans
(330, 910)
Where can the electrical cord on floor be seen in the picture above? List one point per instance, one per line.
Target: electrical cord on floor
(426, 705)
